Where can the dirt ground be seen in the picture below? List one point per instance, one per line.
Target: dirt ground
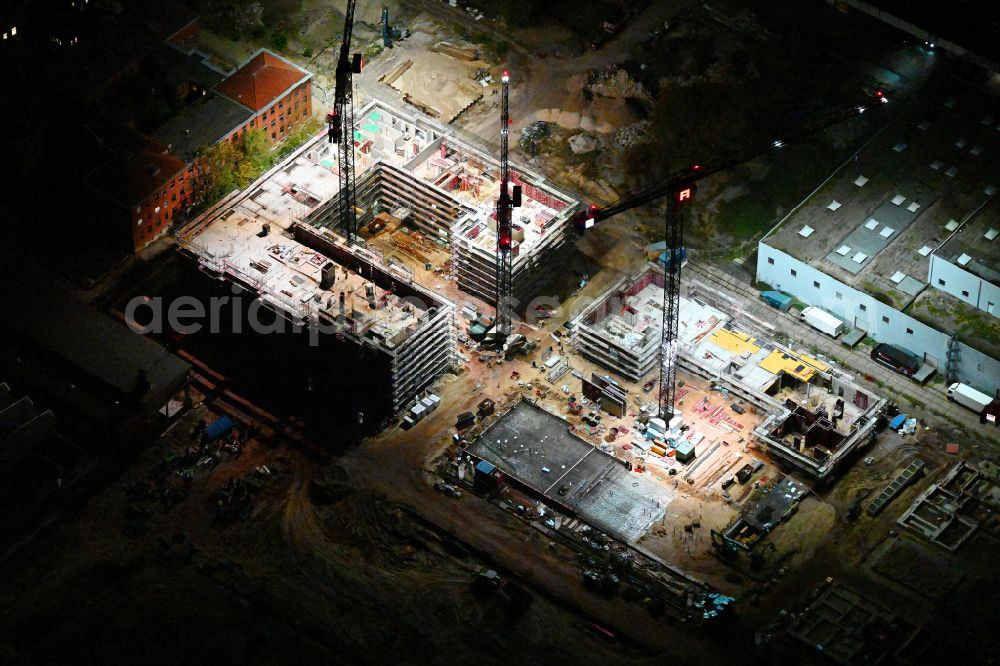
(371, 564)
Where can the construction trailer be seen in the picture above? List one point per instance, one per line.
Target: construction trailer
(815, 417)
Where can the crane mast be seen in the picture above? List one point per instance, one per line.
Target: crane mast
(505, 225)
(681, 186)
(340, 125)
(674, 234)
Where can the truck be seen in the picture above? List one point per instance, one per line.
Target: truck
(777, 300)
(822, 321)
(969, 397)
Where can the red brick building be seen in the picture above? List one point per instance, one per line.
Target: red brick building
(278, 92)
(266, 92)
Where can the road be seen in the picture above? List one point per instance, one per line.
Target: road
(856, 360)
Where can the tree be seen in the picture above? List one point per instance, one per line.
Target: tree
(279, 41)
(249, 17)
(255, 149)
(217, 177)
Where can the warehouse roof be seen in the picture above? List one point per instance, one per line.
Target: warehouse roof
(975, 245)
(875, 222)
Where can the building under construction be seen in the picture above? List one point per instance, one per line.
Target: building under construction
(278, 238)
(420, 172)
(815, 415)
(402, 332)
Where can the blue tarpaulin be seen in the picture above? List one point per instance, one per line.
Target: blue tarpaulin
(897, 421)
(218, 428)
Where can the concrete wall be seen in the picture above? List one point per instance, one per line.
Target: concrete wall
(965, 286)
(882, 322)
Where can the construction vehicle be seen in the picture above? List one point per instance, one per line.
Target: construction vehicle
(679, 189)
(340, 126)
(388, 32)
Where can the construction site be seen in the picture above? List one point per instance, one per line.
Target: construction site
(438, 393)
(418, 174)
(812, 417)
(277, 239)
(316, 281)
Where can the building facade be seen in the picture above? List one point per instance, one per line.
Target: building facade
(882, 322)
(156, 178)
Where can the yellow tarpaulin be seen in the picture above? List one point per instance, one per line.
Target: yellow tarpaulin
(802, 368)
(734, 342)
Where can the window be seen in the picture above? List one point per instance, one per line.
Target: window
(303, 113)
(940, 282)
(281, 104)
(965, 293)
(794, 272)
(273, 123)
(862, 306)
(770, 260)
(273, 136)
(840, 296)
(816, 284)
(885, 319)
(909, 331)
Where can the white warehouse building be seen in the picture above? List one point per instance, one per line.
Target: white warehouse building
(900, 243)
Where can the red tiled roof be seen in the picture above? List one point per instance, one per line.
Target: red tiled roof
(135, 167)
(262, 80)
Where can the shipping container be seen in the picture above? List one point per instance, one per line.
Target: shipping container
(776, 299)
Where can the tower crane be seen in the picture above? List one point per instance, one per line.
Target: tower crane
(679, 189)
(340, 124)
(509, 199)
